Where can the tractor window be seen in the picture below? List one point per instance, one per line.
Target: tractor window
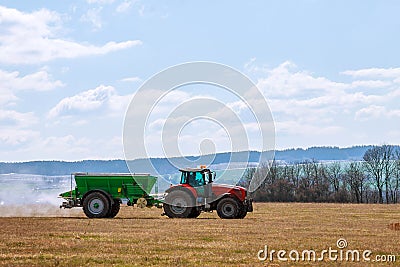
(184, 177)
(196, 179)
(210, 177)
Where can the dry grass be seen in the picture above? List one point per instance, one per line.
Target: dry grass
(144, 238)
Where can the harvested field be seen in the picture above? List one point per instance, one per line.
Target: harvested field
(144, 238)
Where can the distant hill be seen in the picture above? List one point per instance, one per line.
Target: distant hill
(322, 153)
(164, 166)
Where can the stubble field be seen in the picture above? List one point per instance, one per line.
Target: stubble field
(144, 238)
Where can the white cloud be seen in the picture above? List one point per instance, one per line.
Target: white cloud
(29, 145)
(103, 99)
(237, 106)
(286, 81)
(372, 111)
(31, 38)
(141, 10)
(371, 84)
(14, 124)
(117, 104)
(7, 98)
(38, 81)
(169, 102)
(93, 16)
(86, 101)
(375, 111)
(100, 1)
(15, 127)
(374, 72)
(250, 65)
(292, 91)
(17, 136)
(323, 110)
(125, 6)
(297, 128)
(81, 122)
(11, 117)
(131, 79)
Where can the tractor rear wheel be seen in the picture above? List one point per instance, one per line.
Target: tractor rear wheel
(96, 205)
(178, 204)
(195, 213)
(114, 209)
(228, 208)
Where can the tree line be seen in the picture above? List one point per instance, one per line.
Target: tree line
(375, 179)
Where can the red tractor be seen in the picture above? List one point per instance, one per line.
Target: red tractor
(197, 192)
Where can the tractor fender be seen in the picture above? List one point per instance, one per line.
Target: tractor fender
(237, 193)
(189, 190)
(99, 191)
(228, 194)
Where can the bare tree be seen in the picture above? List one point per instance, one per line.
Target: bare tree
(307, 170)
(334, 175)
(356, 179)
(388, 169)
(375, 163)
(262, 173)
(292, 173)
(305, 187)
(376, 180)
(295, 171)
(395, 193)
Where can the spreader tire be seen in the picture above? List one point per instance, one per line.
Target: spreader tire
(114, 209)
(96, 205)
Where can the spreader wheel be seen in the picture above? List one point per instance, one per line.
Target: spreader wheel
(96, 205)
(114, 209)
(141, 203)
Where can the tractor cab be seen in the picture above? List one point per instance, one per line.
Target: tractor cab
(196, 177)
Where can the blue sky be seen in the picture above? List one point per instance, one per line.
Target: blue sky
(68, 69)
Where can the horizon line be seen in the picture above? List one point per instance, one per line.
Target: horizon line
(186, 156)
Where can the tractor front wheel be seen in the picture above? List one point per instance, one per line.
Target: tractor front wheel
(96, 205)
(178, 204)
(228, 208)
(242, 212)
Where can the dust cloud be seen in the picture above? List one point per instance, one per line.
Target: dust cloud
(25, 195)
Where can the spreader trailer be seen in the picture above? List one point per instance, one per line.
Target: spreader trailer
(101, 194)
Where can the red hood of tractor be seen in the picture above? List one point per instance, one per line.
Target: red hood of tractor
(220, 189)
